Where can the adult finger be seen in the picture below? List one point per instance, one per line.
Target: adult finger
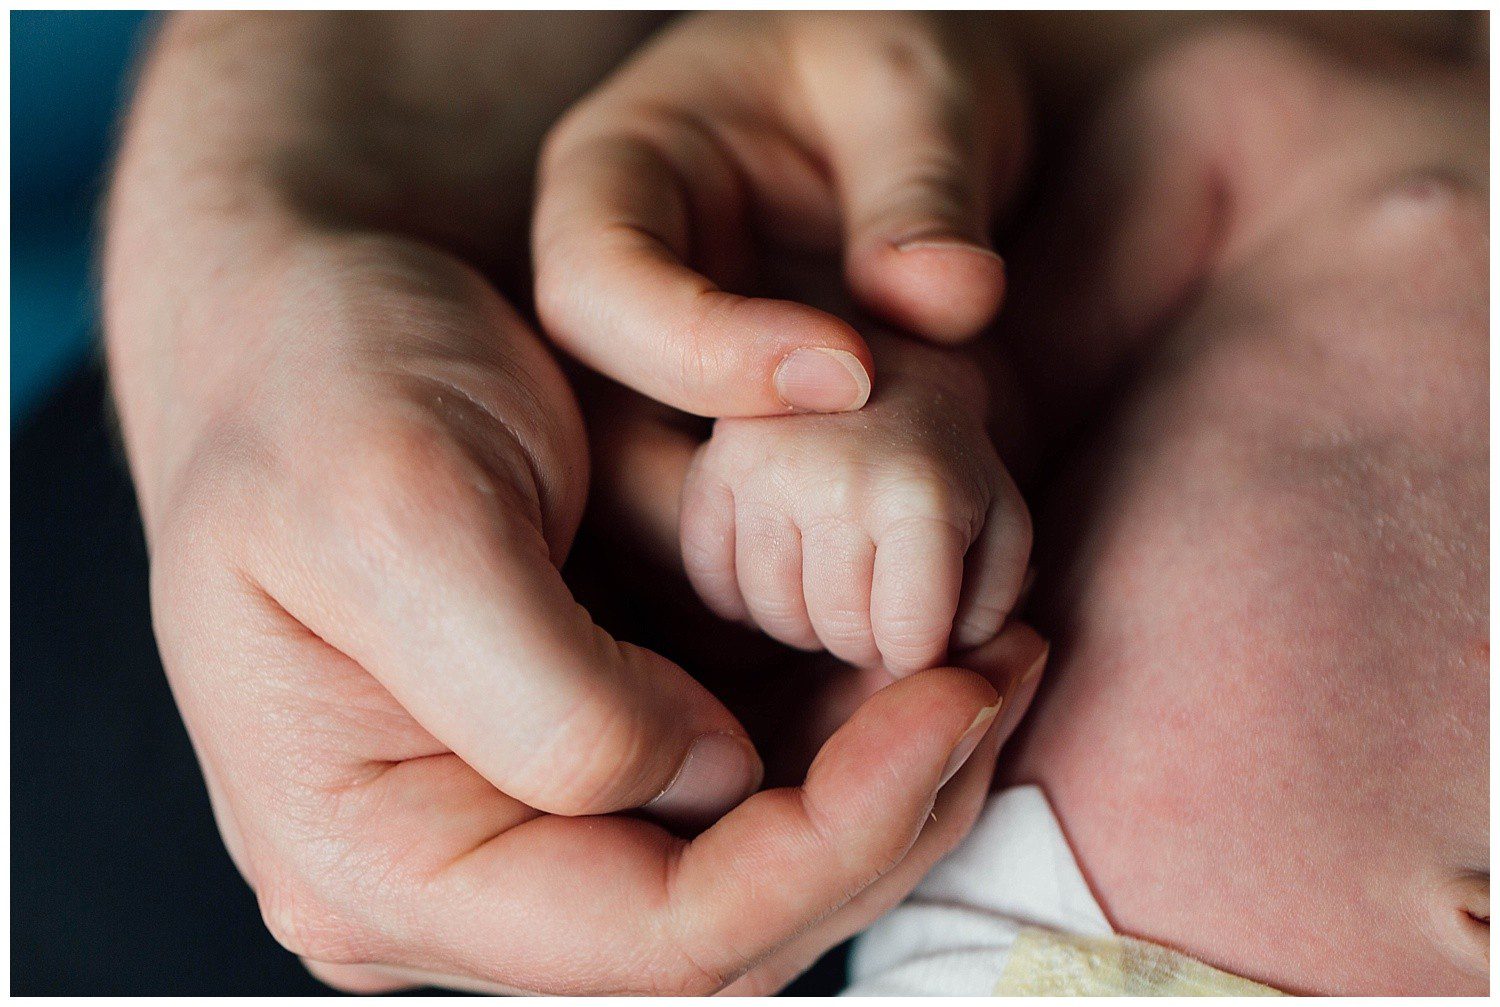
(919, 154)
(1012, 663)
(865, 801)
(615, 904)
(616, 226)
(435, 578)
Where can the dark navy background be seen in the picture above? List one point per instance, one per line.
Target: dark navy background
(119, 883)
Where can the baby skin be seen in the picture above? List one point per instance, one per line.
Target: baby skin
(884, 536)
(1265, 722)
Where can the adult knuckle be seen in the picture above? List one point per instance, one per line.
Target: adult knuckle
(404, 490)
(211, 523)
(684, 976)
(698, 351)
(592, 762)
(939, 174)
(308, 920)
(208, 504)
(933, 184)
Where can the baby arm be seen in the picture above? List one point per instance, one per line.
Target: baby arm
(885, 536)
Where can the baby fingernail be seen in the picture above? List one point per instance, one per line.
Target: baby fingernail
(976, 628)
(820, 380)
(970, 741)
(720, 771)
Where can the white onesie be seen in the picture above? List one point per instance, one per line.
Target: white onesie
(1008, 912)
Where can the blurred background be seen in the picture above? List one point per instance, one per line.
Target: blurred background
(67, 76)
(119, 883)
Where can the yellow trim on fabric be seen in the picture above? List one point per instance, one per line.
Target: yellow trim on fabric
(1048, 963)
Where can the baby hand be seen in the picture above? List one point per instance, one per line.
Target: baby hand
(885, 536)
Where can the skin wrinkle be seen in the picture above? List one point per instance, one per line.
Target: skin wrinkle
(913, 471)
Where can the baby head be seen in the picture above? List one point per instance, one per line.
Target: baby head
(1265, 724)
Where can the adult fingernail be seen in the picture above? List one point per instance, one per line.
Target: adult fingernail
(1023, 688)
(820, 380)
(970, 741)
(945, 242)
(1035, 671)
(720, 771)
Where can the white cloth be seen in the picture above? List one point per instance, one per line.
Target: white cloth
(952, 934)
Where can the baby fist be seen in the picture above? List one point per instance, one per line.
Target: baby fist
(884, 536)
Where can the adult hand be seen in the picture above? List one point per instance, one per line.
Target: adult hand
(892, 136)
(388, 683)
(359, 470)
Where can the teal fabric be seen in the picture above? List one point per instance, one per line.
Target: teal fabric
(68, 76)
